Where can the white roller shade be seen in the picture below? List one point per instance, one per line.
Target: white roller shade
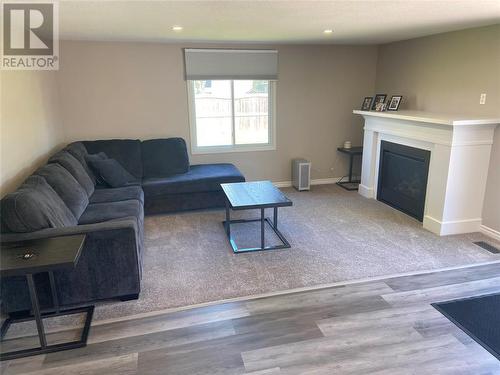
(230, 64)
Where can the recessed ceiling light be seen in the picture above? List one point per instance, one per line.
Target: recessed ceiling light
(328, 31)
(177, 28)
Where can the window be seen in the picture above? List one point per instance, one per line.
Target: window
(231, 115)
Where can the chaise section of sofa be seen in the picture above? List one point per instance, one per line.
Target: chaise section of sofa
(171, 184)
(199, 188)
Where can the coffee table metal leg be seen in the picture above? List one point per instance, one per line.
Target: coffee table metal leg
(273, 224)
(262, 229)
(275, 218)
(36, 311)
(228, 219)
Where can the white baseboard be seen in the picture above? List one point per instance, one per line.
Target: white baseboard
(446, 228)
(325, 181)
(432, 225)
(365, 191)
(490, 232)
(318, 181)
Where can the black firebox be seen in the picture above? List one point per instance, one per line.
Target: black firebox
(402, 177)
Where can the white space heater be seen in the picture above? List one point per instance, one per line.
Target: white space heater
(301, 174)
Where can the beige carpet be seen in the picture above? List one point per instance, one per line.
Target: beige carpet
(335, 235)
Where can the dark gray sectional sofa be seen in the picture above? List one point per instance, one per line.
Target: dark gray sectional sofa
(66, 197)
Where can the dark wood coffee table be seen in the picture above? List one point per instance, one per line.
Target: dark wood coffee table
(27, 258)
(255, 195)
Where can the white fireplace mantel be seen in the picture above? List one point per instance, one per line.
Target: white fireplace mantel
(460, 153)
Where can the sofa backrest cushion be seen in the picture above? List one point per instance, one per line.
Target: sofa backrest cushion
(34, 206)
(126, 151)
(74, 167)
(164, 157)
(79, 152)
(66, 186)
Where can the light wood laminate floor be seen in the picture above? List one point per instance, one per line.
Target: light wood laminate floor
(378, 327)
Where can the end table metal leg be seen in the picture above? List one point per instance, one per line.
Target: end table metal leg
(275, 218)
(36, 310)
(55, 300)
(262, 222)
(351, 157)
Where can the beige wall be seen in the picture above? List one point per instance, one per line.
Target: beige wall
(444, 73)
(30, 127)
(136, 90)
(447, 73)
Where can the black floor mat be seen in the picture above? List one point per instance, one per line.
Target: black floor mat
(479, 317)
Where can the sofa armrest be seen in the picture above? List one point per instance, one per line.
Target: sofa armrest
(69, 231)
(110, 266)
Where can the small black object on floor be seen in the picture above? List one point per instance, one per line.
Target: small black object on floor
(479, 317)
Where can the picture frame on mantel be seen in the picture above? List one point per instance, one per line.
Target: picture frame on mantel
(394, 102)
(378, 99)
(367, 103)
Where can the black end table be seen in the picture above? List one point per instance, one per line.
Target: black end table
(35, 256)
(352, 152)
(255, 195)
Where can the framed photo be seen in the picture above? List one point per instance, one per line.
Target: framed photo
(394, 103)
(379, 98)
(367, 103)
(380, 107)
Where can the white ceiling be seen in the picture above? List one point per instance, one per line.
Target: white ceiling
(353, 22)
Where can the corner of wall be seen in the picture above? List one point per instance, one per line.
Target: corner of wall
(30, 124)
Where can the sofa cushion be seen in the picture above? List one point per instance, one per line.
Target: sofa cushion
(34, 206)
(126, 151)
(200, 178)
(95, 157)
(112, 173)
(164, 157)
(74, 167)
(66, 186)
(117, 194)
(100, 212)
(79, 152)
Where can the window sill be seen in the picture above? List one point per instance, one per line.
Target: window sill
(230, 149)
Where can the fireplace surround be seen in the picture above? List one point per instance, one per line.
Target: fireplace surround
(459, 150)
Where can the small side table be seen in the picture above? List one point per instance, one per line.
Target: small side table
(35, 256)
(352, 152)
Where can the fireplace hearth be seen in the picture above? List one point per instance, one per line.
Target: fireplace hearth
(402, 180)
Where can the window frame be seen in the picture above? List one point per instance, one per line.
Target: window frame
(250, 147)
